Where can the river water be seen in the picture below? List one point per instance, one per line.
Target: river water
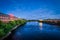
(36, 31)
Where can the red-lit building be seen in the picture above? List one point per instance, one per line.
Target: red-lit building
(6, 18)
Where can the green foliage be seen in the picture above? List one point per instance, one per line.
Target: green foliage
(2, 25)
(13, 23)
(6, 27)
(2, 33)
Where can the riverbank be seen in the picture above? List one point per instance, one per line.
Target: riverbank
(4, 38)
(8, 32)
(52, 21)
(31, 30)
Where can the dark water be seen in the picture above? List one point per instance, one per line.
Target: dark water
(31, 31)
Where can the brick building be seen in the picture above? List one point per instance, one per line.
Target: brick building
(6, 18)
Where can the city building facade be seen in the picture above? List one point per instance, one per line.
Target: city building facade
(6, 18)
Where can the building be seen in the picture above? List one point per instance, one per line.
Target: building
(6, 18)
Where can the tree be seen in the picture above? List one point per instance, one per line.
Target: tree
(13, 23)
(2, 33)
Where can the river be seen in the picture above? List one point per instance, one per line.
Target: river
(36, 31)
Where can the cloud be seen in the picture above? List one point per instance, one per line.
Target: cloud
(33, 10)
(34, 14)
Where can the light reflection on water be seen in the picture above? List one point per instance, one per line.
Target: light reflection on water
(41, 25)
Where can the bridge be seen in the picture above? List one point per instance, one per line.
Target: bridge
(48, 21)
(34, 20)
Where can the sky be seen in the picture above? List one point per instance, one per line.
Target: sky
(31, 9)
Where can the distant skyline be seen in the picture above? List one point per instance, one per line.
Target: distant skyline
(31, 9)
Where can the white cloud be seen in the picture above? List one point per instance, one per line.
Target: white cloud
(34, 14)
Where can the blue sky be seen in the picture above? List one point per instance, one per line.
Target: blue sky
(31, 9)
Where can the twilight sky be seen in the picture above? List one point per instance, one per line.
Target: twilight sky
(31, 9)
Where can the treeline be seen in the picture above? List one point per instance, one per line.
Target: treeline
(6, 27)
(52, 22)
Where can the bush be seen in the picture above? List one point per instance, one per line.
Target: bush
(6, 27)
(2, 33)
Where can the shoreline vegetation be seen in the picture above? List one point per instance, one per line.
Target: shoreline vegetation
(55, 22)
(6, 28)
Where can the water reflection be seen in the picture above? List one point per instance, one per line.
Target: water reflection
(33, 31)
(41, 24)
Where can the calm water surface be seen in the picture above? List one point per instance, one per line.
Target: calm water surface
(36, 31)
